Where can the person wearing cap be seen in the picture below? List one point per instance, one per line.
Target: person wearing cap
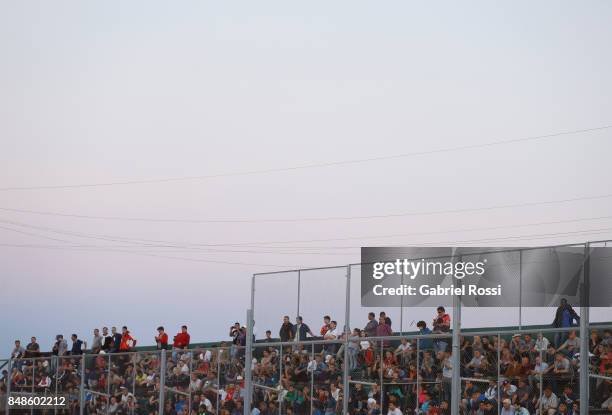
(161, 340)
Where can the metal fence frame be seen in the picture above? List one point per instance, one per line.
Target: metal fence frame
(456, 322)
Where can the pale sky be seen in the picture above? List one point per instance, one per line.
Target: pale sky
(120, 91)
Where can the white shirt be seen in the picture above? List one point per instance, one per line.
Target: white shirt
(396, 411)
(332, 334)
(207, 404)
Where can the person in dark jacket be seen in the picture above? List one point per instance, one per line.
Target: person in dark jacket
(77, 345)
(116, 340)
(286, 331)
(564, 317)
(301, 329)
(370, 328)
(107, 340)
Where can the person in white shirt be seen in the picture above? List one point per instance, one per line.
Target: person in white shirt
(402, 352)
(393, 409)
(45, 382)
(331, 334)
(195, 383)
(491, 392)
(541, 344)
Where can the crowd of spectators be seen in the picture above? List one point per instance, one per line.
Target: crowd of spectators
(297, 376)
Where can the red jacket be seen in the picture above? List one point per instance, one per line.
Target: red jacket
(181, 340)
(127, 342)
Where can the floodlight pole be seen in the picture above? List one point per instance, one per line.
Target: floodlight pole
(584, 332)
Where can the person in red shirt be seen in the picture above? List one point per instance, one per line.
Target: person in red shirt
(127, 341)
(326, 323)
(161, 339)
(181, 341)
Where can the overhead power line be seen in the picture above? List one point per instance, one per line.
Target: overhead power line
(157, 243)
(311, 165)
(311, 219)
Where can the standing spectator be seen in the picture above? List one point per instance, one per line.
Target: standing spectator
(353, 349)
(441, 324)
(386, 317)
(383, 329)
(234, 332)
(18, 350)
(326, 325)
(77, 345)
(182, 339)
(442, 321)
(268, 336)
(60, 348)
(127, 341)
(116, 340)
(424, 344)
(107, 340)
(331, 334)
(161, 340)
(181, 342)
(286, 330)
(564, 317)
(370, 328)
(96, 343)
(301, 330)
(32, 349)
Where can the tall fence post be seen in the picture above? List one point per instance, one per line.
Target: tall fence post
(584, 332)
(8, 384)
(497, 394)
(219, 352)
(248, 361)
(312, 357)
(456, 361)
(347, 333)
(299, 291)
(162, 382)
(82, 386)
(418, 376)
